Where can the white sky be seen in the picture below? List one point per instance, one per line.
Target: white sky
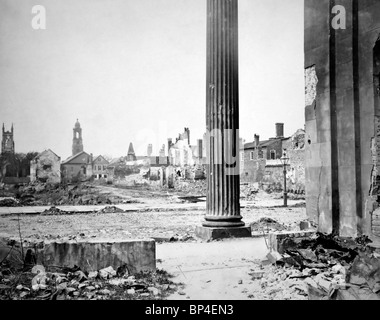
(135, 71)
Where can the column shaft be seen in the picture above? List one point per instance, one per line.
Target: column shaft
(222, 113)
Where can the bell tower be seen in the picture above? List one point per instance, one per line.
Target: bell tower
(77, 138)
(7, 143)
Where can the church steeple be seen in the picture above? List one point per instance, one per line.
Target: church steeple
(131, 153)
(77, 138)
(7, 143)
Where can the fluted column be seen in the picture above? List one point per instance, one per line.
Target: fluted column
(222, 115)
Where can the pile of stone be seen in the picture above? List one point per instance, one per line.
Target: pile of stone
(74, 284)
(195, 188)
(266, 225)
(334, 268)
(363, 279)
(249, 191)
(53, 210)
(111, 209)
(9, 202)
(78, 194)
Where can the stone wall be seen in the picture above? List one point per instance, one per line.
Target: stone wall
(340, 111)
(46, 168)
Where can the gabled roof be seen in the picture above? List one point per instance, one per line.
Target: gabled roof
(262, 144)
(267, 143)
(101, 159)
(75, 156)
(47, 150)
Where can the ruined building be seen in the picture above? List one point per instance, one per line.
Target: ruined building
(45, 167)
(7, 142)
(182, 153)
(260, 160)
(342, 113)
(77, 139)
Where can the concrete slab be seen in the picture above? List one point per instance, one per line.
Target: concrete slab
(91, 255)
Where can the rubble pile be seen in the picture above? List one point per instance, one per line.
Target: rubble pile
(248, 191)
(53, 210)
(9, 202)
(47, 194)
(110, 209)
(266, 225)
(333, 267)
(277, 283)
(37, 283)
(196, 187)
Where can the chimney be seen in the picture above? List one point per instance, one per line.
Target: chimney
(279, 130)
(187, 131)
(200, 148)
(170, 143)
(257, 140)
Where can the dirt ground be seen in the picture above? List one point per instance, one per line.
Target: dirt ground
(126, 225)
(216, 270)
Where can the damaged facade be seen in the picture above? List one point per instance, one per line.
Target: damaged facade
(342, 115)
(260, 161)
(182, 153)
(46, 167)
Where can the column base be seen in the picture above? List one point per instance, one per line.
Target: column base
(207, 233)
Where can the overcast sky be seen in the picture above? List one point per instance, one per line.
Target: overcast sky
(135, 71)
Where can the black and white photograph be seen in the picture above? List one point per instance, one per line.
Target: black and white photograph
(201, 152)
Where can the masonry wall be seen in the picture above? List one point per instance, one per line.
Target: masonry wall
(252, 170)
(340, 115)
(46, 168)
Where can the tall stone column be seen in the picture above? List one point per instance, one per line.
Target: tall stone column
(223, 217)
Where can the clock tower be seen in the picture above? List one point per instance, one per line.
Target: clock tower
(7, 143)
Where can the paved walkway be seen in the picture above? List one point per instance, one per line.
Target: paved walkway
(216, 270)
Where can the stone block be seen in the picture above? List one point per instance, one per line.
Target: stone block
(207, 233)
(138, 255)
(304, 225)
(278, 239)
(273, 256)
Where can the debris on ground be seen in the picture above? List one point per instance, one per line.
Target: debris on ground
(9, 202)
(56, 283)
(266, 225)
(332, 268)
(38, 194)
(53, 210)
(110, 209)
(248, 191)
